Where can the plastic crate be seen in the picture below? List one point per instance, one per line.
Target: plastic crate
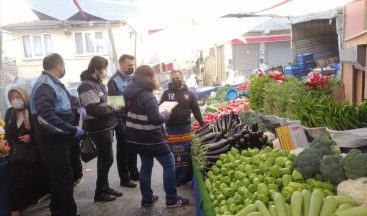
(304, 57)
(308, 65)
(289, 71)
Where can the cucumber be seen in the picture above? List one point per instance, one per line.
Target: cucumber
(329, 206)
(355, 211)
(273, 210)
(316, 203)
(262, 208)
(254, 214)
(344, 206)
(280, 204)
(247, 210)
(289, 211)
(306, 200)
(296, 204)
(344, 199)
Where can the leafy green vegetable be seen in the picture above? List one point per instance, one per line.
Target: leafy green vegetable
(256, 95)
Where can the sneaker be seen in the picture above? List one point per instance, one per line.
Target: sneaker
(179, 203)
(135, 176)
(128, 184)
(149, 202)
(104, 197)
(78, 181)
(113, 192)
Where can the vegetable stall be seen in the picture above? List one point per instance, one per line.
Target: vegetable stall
(239, 169)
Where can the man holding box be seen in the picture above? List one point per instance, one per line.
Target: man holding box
(126, 161)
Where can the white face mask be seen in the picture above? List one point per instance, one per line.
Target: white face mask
(103, 75)
(18, 103)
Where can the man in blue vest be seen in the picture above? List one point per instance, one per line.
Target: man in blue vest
(53, 116)
(126, 161)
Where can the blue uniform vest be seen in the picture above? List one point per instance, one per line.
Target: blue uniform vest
(62, 99)
(120, 83)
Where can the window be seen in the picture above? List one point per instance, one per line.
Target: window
(37, 46)
(89, 43)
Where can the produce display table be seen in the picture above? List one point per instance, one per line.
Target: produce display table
(4, 181)
(202, 201)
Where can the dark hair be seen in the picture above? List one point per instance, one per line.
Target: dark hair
(50, 61)
(146, 73)
(176, 71)
(126, 56)
(97, 63)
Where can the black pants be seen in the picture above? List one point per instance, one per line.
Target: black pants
(76, 162)
(56, 154)
(126, 160)
(103, 141)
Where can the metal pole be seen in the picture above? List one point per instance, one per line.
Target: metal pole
(114, 53)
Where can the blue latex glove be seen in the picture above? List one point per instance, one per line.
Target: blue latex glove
(81, 111)
(79, 132)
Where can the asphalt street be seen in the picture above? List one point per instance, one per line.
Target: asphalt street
(128, 204)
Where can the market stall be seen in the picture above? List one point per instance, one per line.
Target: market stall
(239, 170)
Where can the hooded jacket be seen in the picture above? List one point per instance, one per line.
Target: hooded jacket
(93, 96)
(144, 122)
(187, 103)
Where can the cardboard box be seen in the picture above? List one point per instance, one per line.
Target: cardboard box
(292, 136)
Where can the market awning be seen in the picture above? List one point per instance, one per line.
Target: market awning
(260, 39)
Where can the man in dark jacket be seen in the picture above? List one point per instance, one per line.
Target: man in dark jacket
(99, 122)
(179, 125)
(53, 116)
(126, 160)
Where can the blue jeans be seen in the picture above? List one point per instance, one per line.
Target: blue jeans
(169, 179)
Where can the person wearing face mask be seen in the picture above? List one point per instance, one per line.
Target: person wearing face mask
(178, 127)
(28, 179)
(99, 123)
(53, 116)
(126, 160)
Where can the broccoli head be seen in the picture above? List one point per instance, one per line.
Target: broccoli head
(308, 162)
(355, 164)
(331, 169)
(325, 145)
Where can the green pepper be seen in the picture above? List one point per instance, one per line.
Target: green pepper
(270, 161)
(274, 171)
(215, 169)
(267, 149)
(269, 180)
(232, 208)
(255, 160)
(297, 176)
(285, 171)
(263, 156)
(208, 184)
(223, 186)
(241, 168)
(263, 198)
(278, 181)
(248, 169)
(240, 175)
(264, 167)
(289, 164)
(291, 157)
(315, 183)
(262, 189)
(245, 160)
(227, 179)
(255, 195)
(246, 182)
(280, 161)
(296, 186)
(238, 199)
(247, 201)
(256, 181)
(252, 188)
(239, 207)
(328, 186)
(286, 179)
(228, 192)
(224, 208)
(327, 192)
(282, 153)
(221, 197)
(234, 151)
(287, 193)
(219, 163)
(273, 187)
